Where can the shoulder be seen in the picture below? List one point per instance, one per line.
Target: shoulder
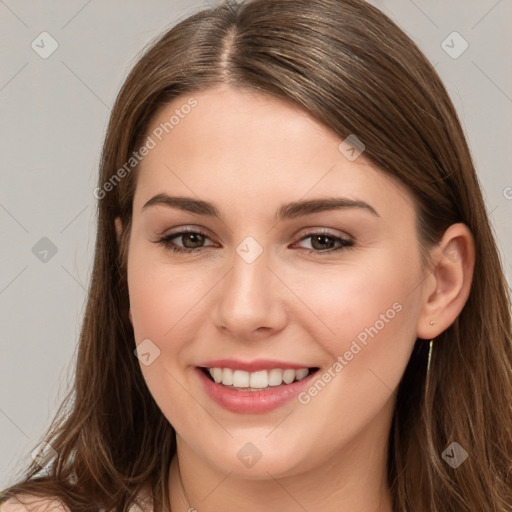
(29, 503)
(26, 503)
(144, 501)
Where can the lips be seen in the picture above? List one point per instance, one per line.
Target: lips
(253, 387)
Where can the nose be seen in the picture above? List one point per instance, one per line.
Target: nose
(251, 301)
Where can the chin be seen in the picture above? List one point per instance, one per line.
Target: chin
(260, 460)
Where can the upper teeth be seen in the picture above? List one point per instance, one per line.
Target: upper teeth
(260, 379)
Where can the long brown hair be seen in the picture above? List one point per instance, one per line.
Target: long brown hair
(351, 68)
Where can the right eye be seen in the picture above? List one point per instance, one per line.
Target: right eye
(192, 241)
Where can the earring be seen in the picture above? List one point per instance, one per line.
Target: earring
(429, 354)
(430, 348)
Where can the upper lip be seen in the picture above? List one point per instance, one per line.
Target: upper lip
(252, 366)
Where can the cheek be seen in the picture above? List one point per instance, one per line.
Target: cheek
(366, 312)
(163, 301)
(168, 302)
(372, 311)
(160, 298)
(151, 293)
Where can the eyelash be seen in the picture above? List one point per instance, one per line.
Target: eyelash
(166, 242)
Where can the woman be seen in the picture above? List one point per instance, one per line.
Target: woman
(293, 242)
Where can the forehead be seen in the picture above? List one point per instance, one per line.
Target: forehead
(244, 148)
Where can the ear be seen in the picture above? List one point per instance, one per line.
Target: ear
(449, 283)
(119, 228)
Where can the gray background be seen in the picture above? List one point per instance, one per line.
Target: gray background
(53, 115)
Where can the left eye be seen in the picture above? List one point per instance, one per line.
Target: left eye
(324, 243)
(192, 241)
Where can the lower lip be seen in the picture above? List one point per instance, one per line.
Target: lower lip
(253, 402)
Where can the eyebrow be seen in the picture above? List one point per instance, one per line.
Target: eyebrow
(287, 211)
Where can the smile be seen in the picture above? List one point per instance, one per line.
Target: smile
(253, 392)
(254, 381)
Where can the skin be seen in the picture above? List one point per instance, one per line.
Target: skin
(249, 154)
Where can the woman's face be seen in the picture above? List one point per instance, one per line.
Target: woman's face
(305, 257)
